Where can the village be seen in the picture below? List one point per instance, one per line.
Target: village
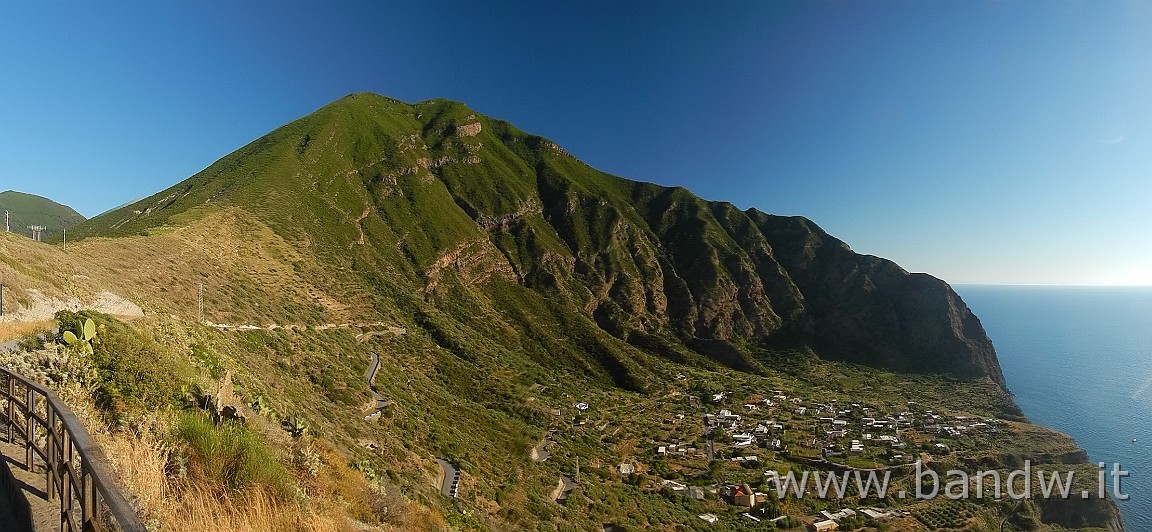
(748, 444)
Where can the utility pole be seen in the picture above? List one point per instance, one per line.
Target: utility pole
(65, 239)
(1, 299)
(7, 228)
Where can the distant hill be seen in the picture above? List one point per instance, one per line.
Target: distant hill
(28, 209)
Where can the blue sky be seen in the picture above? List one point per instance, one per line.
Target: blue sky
(983, 142)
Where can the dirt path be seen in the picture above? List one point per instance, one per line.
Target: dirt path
(387, 329)
(41, 307)
(559, 490)
(360, 225)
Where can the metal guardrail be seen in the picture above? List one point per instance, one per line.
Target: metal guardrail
(76, 470)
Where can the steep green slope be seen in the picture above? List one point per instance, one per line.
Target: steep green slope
(402, 197)
(28, 209)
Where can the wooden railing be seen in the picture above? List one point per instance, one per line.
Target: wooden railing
(76, 470)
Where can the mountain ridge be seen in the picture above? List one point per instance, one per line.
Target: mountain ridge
(435, 186)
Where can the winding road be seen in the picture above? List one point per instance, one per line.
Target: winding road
(540, 452)
(380, 402)
(450, 483)
(1015, 509)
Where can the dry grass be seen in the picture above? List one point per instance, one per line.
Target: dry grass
(236, 258)
(335, 498)
(141, 457)
(237, 262)
(254, 510)
(12, 330)
(143, 461)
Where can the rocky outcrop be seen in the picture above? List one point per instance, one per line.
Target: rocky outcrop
(468, 130)
(1076, 513)
(870, 310)
(707, 272)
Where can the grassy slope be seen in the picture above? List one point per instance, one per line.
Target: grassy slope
(480, 392)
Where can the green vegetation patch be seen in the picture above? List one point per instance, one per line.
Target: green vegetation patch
(131, 367)
(230, 454)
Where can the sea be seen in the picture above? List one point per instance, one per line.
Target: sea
(1079, 360)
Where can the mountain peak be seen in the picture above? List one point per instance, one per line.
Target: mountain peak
(458, 210)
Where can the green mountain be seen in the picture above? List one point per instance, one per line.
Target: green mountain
(379, 286)
(28, 209)
(407, 196)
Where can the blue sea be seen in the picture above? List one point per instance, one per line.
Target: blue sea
(1079, 360)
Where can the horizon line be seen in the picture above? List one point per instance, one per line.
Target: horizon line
(1053, 285)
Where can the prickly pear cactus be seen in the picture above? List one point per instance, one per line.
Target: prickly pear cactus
(83, 342)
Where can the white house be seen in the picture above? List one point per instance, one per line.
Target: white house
(824, 526)
(743, 439)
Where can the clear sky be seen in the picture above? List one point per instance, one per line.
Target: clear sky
(983, 142)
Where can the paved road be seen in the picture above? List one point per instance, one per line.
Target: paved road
(369, 376)
(11, 345)
(541, 453)
(567, 486)
(450, 487)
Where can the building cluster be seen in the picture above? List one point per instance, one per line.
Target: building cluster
(831, 520)
(802, 429)
(834, 430)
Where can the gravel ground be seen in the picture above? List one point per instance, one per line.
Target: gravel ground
(44, 307)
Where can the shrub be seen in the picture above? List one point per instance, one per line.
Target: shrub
(130, 366)
(230, 455)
